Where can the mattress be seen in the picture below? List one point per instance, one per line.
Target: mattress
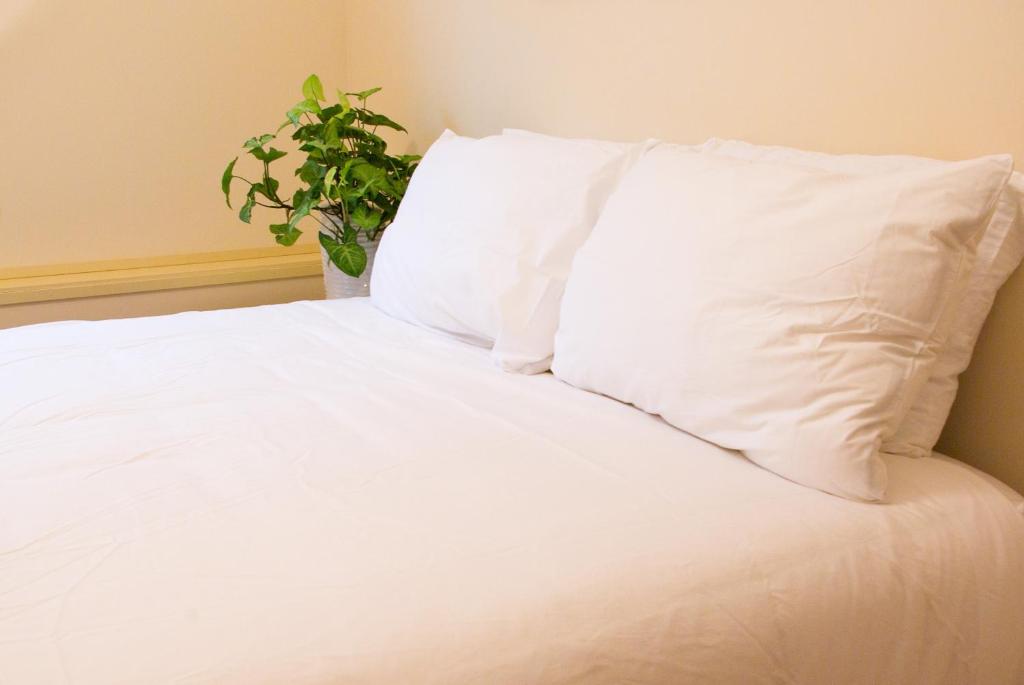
(315, 493)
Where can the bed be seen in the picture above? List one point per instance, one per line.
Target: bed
(318, 493)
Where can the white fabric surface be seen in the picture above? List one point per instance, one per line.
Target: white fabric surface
(782, 310)
(999, 252)
(317, 493)
(483, 242)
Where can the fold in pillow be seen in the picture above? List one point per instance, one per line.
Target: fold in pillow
(775, 308)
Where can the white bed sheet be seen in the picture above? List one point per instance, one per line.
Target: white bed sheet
(315, 493)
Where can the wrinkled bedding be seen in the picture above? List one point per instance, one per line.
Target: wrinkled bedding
(316, 493)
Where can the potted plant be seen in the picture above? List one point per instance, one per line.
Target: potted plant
(349, 184)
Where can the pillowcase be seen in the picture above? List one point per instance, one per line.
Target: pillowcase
(775, 308)
(999, 253)
(483, 241)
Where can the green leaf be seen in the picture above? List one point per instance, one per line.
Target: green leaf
(363, 94)
(306, 132)
(285, 234)
(267, 189)
(345, 119)
(225, 180)
(373, 179)
(372, 119)
(350, 257)
(314, 146)
(331, 139)
(258, 142)
(398, 187)
(351, 195)
(368, 173)
(347, 167)
(245, 213)
(366, 218)
(329, 178)
(267, 155)
(303, 107)
(311, 171)
(356, 133)
(343, 101)
(302, 201)
(272, 184)
(330, 112)
(312, 89)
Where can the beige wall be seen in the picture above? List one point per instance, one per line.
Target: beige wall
(118, 118)
(932, 77)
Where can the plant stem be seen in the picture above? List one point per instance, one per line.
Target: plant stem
(332, 228)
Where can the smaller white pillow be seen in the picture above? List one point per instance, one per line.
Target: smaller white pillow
(775, 308)
(485, 236)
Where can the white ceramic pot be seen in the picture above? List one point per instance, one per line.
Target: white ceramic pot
(338, 284)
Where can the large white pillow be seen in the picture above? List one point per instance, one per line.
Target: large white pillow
(775, 308)
(485, 236)
(999, 252)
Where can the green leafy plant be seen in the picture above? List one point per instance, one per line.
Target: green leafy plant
(349, 183)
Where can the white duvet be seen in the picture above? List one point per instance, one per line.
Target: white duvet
(315, 493)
